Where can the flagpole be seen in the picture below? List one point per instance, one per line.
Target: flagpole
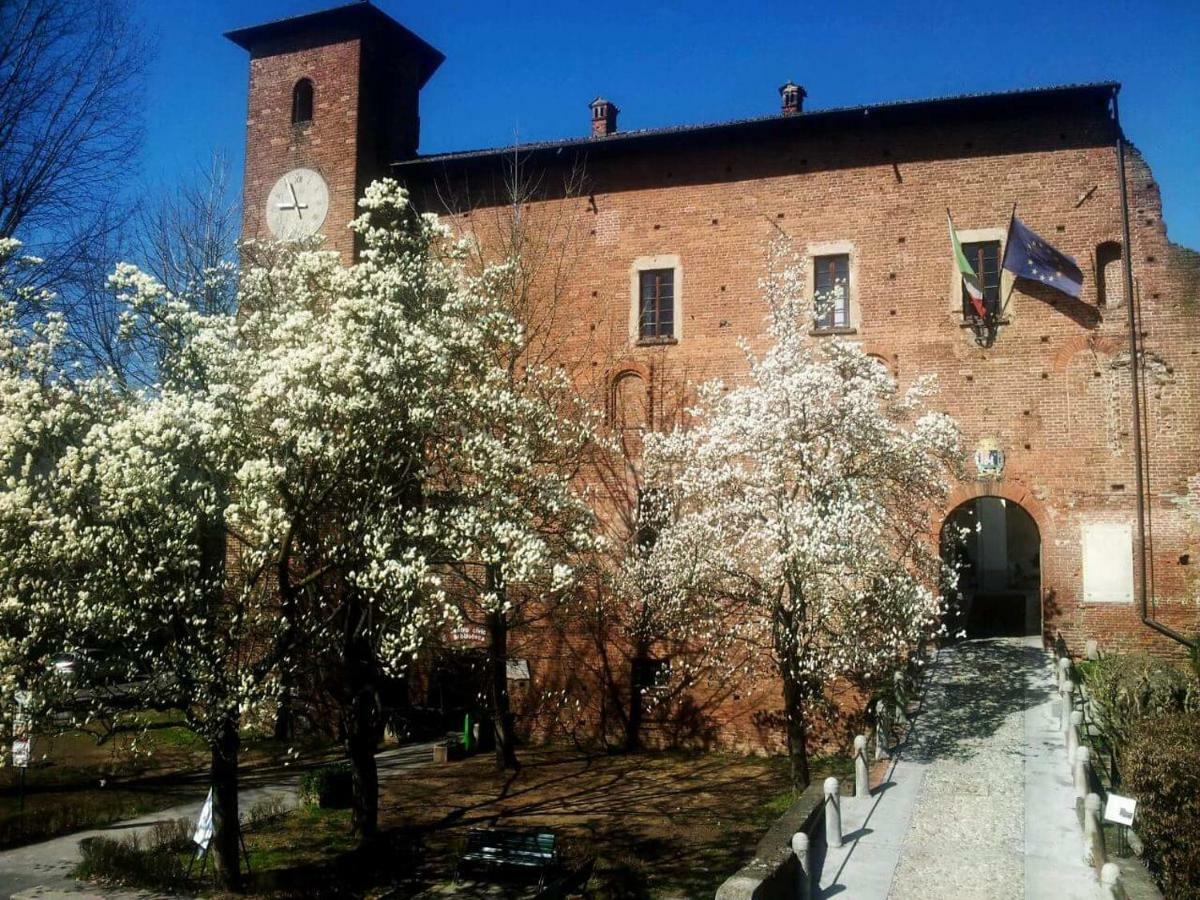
(1134, 365)
(1012, 286)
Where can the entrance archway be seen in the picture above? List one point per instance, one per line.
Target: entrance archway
(998, 548)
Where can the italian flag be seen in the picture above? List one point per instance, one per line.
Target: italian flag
(970, 279)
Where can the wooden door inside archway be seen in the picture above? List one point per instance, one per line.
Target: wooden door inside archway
(998, 548)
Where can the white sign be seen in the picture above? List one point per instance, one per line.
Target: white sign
(469, 634)
(1107, 562)
(1119, 809)
(204, 824)
(21, 730)
(517, 669)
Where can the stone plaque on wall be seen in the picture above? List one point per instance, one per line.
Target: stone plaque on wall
(1107, 562)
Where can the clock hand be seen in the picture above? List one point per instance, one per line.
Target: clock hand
(295, 200)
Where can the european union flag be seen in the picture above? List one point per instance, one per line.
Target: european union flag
(1028, 255)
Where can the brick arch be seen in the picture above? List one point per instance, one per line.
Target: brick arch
(1010, 490)
(879, 352)
(1073, 346)
(619, 373)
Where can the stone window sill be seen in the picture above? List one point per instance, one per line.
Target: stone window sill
(840, 329)
(657, 342)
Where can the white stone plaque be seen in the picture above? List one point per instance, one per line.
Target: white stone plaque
(1120, 809)
(1107, 562)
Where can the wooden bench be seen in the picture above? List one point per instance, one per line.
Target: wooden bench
(509, 848)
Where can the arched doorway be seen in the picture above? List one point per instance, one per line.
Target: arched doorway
(998, 548)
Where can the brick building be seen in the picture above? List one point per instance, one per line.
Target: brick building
(664, 233)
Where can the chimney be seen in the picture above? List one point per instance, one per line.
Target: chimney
(604, 117)
(792, 98)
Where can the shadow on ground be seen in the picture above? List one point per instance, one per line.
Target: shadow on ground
(973, 688)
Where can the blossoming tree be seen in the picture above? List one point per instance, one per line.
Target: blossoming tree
(292, 483)
(800, 498)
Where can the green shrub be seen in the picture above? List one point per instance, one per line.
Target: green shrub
(1161, 768)
(1127, 688)
(328, 787)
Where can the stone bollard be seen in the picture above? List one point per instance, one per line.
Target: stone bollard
(1093, 833)
(833, 813)
(1064, 669)
(901, 694)
(1110, 882)
(1068, 701)
(1073, 733)
(862, 778)
(882, 727)
(1083, 765)
(1093, 649)
(803, 866)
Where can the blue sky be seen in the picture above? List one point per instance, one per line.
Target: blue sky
(530, 69)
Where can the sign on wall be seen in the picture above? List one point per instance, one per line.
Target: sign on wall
(1107, 562)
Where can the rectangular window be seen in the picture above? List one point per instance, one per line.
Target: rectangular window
(984, 257)
(656, 307)
(831, 291)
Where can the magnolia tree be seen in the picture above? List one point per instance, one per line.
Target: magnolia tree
(800, 499)
(114, 515)
(294, 482)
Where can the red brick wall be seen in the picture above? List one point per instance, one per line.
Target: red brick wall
(1053, 390)
(329, 144)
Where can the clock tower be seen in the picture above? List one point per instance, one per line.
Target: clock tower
(333, 101)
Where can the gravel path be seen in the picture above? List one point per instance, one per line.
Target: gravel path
(979, 804)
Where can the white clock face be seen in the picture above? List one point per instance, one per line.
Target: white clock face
(297, 205)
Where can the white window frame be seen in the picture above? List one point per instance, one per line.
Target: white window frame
(853, 313)
(646, 264)
(978, 236)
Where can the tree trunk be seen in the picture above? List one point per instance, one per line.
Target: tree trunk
(226, 840)
(360, 750)
(633, 725)
(360, 721)
(502, 718)
(797, 728)
(283, 715)
(638, 669)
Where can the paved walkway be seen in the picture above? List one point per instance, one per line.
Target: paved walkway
(43, 871)
(979, 804)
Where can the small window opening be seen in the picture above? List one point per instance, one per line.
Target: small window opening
(984, 257)
(656, 312)
(831, 291)
(1110, 286)
(302, 102)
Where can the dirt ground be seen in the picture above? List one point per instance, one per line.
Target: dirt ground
(647, 825)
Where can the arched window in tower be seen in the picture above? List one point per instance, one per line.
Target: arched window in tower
(1110, 284)
(302, 102)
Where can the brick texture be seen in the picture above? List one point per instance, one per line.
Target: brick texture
(1053, 390)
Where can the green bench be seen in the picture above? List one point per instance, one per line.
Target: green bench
(508, 848)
